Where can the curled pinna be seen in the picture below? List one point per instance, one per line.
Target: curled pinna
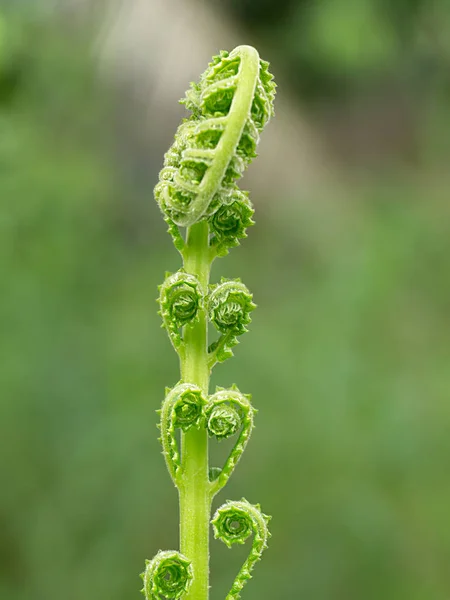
(228, 412)
(229, 306)
(223, 421)
(167, 576)
(230, 106)
(180, 300)
(229, 223)
(183, 409)
(233, 523)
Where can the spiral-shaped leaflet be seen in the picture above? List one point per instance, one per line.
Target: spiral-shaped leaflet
(229, 306)
(230, 106)
(182, 408)
(223, 421)
(167, 576)
(233, 523)
(229, 223)
(227, 413)
(180, 299)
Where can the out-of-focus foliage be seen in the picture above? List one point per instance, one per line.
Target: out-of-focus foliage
(372, 74)
(74, 425)
(330, 48)
(348, 362)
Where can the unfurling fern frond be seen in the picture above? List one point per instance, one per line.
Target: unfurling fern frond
(198, 189)
(230, 106)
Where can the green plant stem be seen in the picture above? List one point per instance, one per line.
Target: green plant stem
(194, 492)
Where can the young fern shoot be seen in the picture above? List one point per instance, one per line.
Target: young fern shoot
(197, 190)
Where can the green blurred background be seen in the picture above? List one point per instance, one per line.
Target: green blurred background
(348, 358)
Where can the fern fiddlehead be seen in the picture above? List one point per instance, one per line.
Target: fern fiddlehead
(197, 189)
(230, 106)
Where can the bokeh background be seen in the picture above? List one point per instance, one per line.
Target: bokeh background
(348, 358)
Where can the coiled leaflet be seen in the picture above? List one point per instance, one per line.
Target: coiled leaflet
(180, 300)
(223, 422)
(229, 306)
(233, 523)
(227, 412)
(182, 408)
(229, 223)
(167, 576)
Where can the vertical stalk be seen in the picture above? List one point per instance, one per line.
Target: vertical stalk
(195, 499)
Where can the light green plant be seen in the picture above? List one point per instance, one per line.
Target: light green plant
(197, 189)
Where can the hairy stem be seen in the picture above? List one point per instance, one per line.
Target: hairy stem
(195, 499)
